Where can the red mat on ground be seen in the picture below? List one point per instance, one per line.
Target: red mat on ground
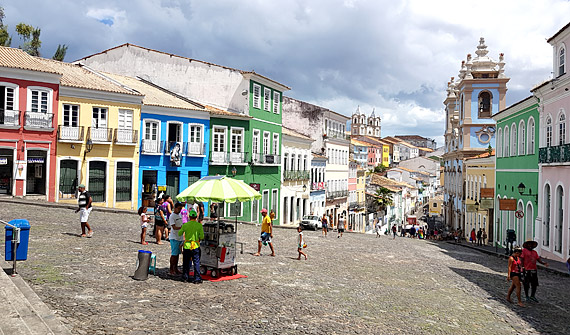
(222, 278)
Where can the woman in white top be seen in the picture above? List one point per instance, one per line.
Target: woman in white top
(301, 244)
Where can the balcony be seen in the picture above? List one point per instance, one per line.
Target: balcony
(9, 118)
(337, 194)
(100, 135)
(556, 154)
(318, 186)
(336, 134)
(70, 134)
(356, 204)
(126, 136)
(266, 159)
(296, 175)
(195, 148)
(151, 146)
(38, 121)
(224, 158)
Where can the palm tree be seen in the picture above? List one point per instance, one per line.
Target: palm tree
(384, 198)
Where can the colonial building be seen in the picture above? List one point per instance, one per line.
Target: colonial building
(479, 176)
(363, 125)
(516, 165)
(419, 141)
(552, 224)
(29, 106)
(471, 101)
(317, 197)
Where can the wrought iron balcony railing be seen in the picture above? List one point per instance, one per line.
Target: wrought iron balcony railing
(9, 118)
(296, 175)
(100, 135)
(223, 157)
(70, 134)
(266, 159)
(556, 154)
(38, 120)
(151, 146)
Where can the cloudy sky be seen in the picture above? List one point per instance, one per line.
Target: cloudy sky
(394, 56)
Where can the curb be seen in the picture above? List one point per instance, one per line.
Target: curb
(500, 255)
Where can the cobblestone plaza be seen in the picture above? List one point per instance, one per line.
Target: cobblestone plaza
(357, 284)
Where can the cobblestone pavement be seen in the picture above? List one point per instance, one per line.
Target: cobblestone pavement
(357, 284)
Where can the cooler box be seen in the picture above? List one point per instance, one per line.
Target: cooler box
(22, 248)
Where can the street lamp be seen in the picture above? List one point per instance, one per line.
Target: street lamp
(89, 146)
(234, 171)
(304, 188)
(476, 206)
(522, 188)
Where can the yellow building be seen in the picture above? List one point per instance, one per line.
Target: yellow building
(479, 174)
(436, 206)
(98, 138)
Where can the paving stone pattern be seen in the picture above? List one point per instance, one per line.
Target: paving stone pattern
(358, 284)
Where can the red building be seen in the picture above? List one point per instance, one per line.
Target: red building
(29, 94)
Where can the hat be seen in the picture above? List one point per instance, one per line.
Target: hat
(81, 186)
(264, 210)
(192, 213)
(530, 244)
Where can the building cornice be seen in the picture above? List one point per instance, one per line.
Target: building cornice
(29, 75)
(83, 93)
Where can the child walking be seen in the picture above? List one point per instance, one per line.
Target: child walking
(301, 244)
(144, 224)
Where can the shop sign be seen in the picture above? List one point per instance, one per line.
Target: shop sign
(3, 161)
(161, 188)
(487, 192)
(37, 160)
(508, 204)
(20, 170)
(487, 204)
(256, 187)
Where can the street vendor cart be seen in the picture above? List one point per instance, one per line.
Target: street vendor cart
(218, 249)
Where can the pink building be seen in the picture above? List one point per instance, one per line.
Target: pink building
(551, 229)
(29, 93)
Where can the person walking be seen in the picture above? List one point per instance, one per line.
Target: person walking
(480, 237)
(473, 237)
(377, 224)
(514, 273)
(266, 233)
(484, 236)
(394, 231)
(193, 233)
(325, 224)
(301, 244)
(175, 223)
(144, 224)
(341, 226)
(200, 212)
(84, 202)
(529, 258)
(159, 221)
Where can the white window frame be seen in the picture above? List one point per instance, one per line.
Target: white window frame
(201, 143)
(225, 131)
(242, 136)
(263, 205)
(125, 110)
(158, 123)
(16, 102)
(514, 139)
(99, 118)
(167, 141)
(275, 201)
(530, 134)
(267, 99)
(276, 102)
(63, 118)
(256, 96)
(506, 142)
(229, 206)
(255, 139)
(266, 144)
(561, 61)
(548, 131)
(522, 138)
(561, 127)
(41, 89)
(275, 149)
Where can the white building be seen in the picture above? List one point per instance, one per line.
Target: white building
(295, 176)
(317, 198)
(363, 125)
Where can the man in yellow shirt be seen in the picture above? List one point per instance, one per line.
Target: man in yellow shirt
(266, 233)
(193, 233)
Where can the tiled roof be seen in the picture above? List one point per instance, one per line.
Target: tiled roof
(483, 155)
(359, 143)
(291, 132)
(319, 155)
(383, 181)
(18, 59)
(80, 77)
(155, 95)
(222, 113)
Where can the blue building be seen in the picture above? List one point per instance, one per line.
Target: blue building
(174, 133)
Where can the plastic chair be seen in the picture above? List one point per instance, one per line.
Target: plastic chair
(152, 266)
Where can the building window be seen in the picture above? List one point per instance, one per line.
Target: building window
(195, 139)
(123, 185)
(514, 140)
(8, 96)
(150, 136)
(265, 199)
(561, 129)
(237, 140)
(256, 96)
(276, 144)
(70, 115)
(99, 118)
(265, 142)
(522, 138)
(235, 209)
(267, 99)
(276, 101)
(506, 143)
(275, 202)
(530, 133)
(500, 142)
(548, 131)
(546, 231)
(98, 181)
(255, 144)
(40, 101)
(68, 177)
(485, 102)
(561, 61)
(219, 143)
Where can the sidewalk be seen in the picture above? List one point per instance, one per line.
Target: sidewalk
(553, 266)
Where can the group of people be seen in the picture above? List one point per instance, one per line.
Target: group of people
(478, 237)
(327, 223)
(522, 270)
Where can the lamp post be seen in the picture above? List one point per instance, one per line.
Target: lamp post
(88, 148)
(522, 188)
(234, 171)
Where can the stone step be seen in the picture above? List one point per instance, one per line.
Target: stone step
(23, 312)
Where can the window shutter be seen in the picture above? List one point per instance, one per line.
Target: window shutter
(267, 99)
(276, 101)
(256, 96)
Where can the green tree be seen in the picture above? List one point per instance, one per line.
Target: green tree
(31, 38)
(5, 38)
(380, 168)
(60, 52)
(383, 198)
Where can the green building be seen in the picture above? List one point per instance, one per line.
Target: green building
(516, 171)
(248, 147)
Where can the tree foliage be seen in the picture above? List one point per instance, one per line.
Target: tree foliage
(31, 38)
(60, 52)
(383, 198)
(5, 38)
(380, 168)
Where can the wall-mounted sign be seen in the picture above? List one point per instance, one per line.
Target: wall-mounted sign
(36, 160)
(256, 187)
(20, 170)
(161, 188)
(508, 204)
(487, 193)
(487, 204)
(470, 208)
(3, 161)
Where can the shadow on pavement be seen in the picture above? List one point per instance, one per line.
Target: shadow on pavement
(548, 317)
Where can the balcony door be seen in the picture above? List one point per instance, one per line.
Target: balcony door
(219, 145)
(125, 126)
(150, 138)
(236, 154)
(9, 115)
(99, 125)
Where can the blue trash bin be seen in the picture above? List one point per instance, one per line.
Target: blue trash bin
(22, 248)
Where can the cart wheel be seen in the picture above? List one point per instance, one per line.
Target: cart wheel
(203, 270)
(214, 273)
(234, 270)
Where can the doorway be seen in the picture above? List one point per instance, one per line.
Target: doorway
(98, 181)
(6, 168)
(68, 178)
(36, 172)
(172, 183)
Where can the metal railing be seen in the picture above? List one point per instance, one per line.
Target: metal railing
(266, 159)
(100, 135)
(151, 146)
(336, 134)
(223, 157)
(195, 148)
(9, 117)
(556, 154)
(38, 120)
(337, 194)
(126, 136)
(296, 175)
(66, 133)
(15, 242)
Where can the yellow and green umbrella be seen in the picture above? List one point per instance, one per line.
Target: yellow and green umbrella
(218, 189)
